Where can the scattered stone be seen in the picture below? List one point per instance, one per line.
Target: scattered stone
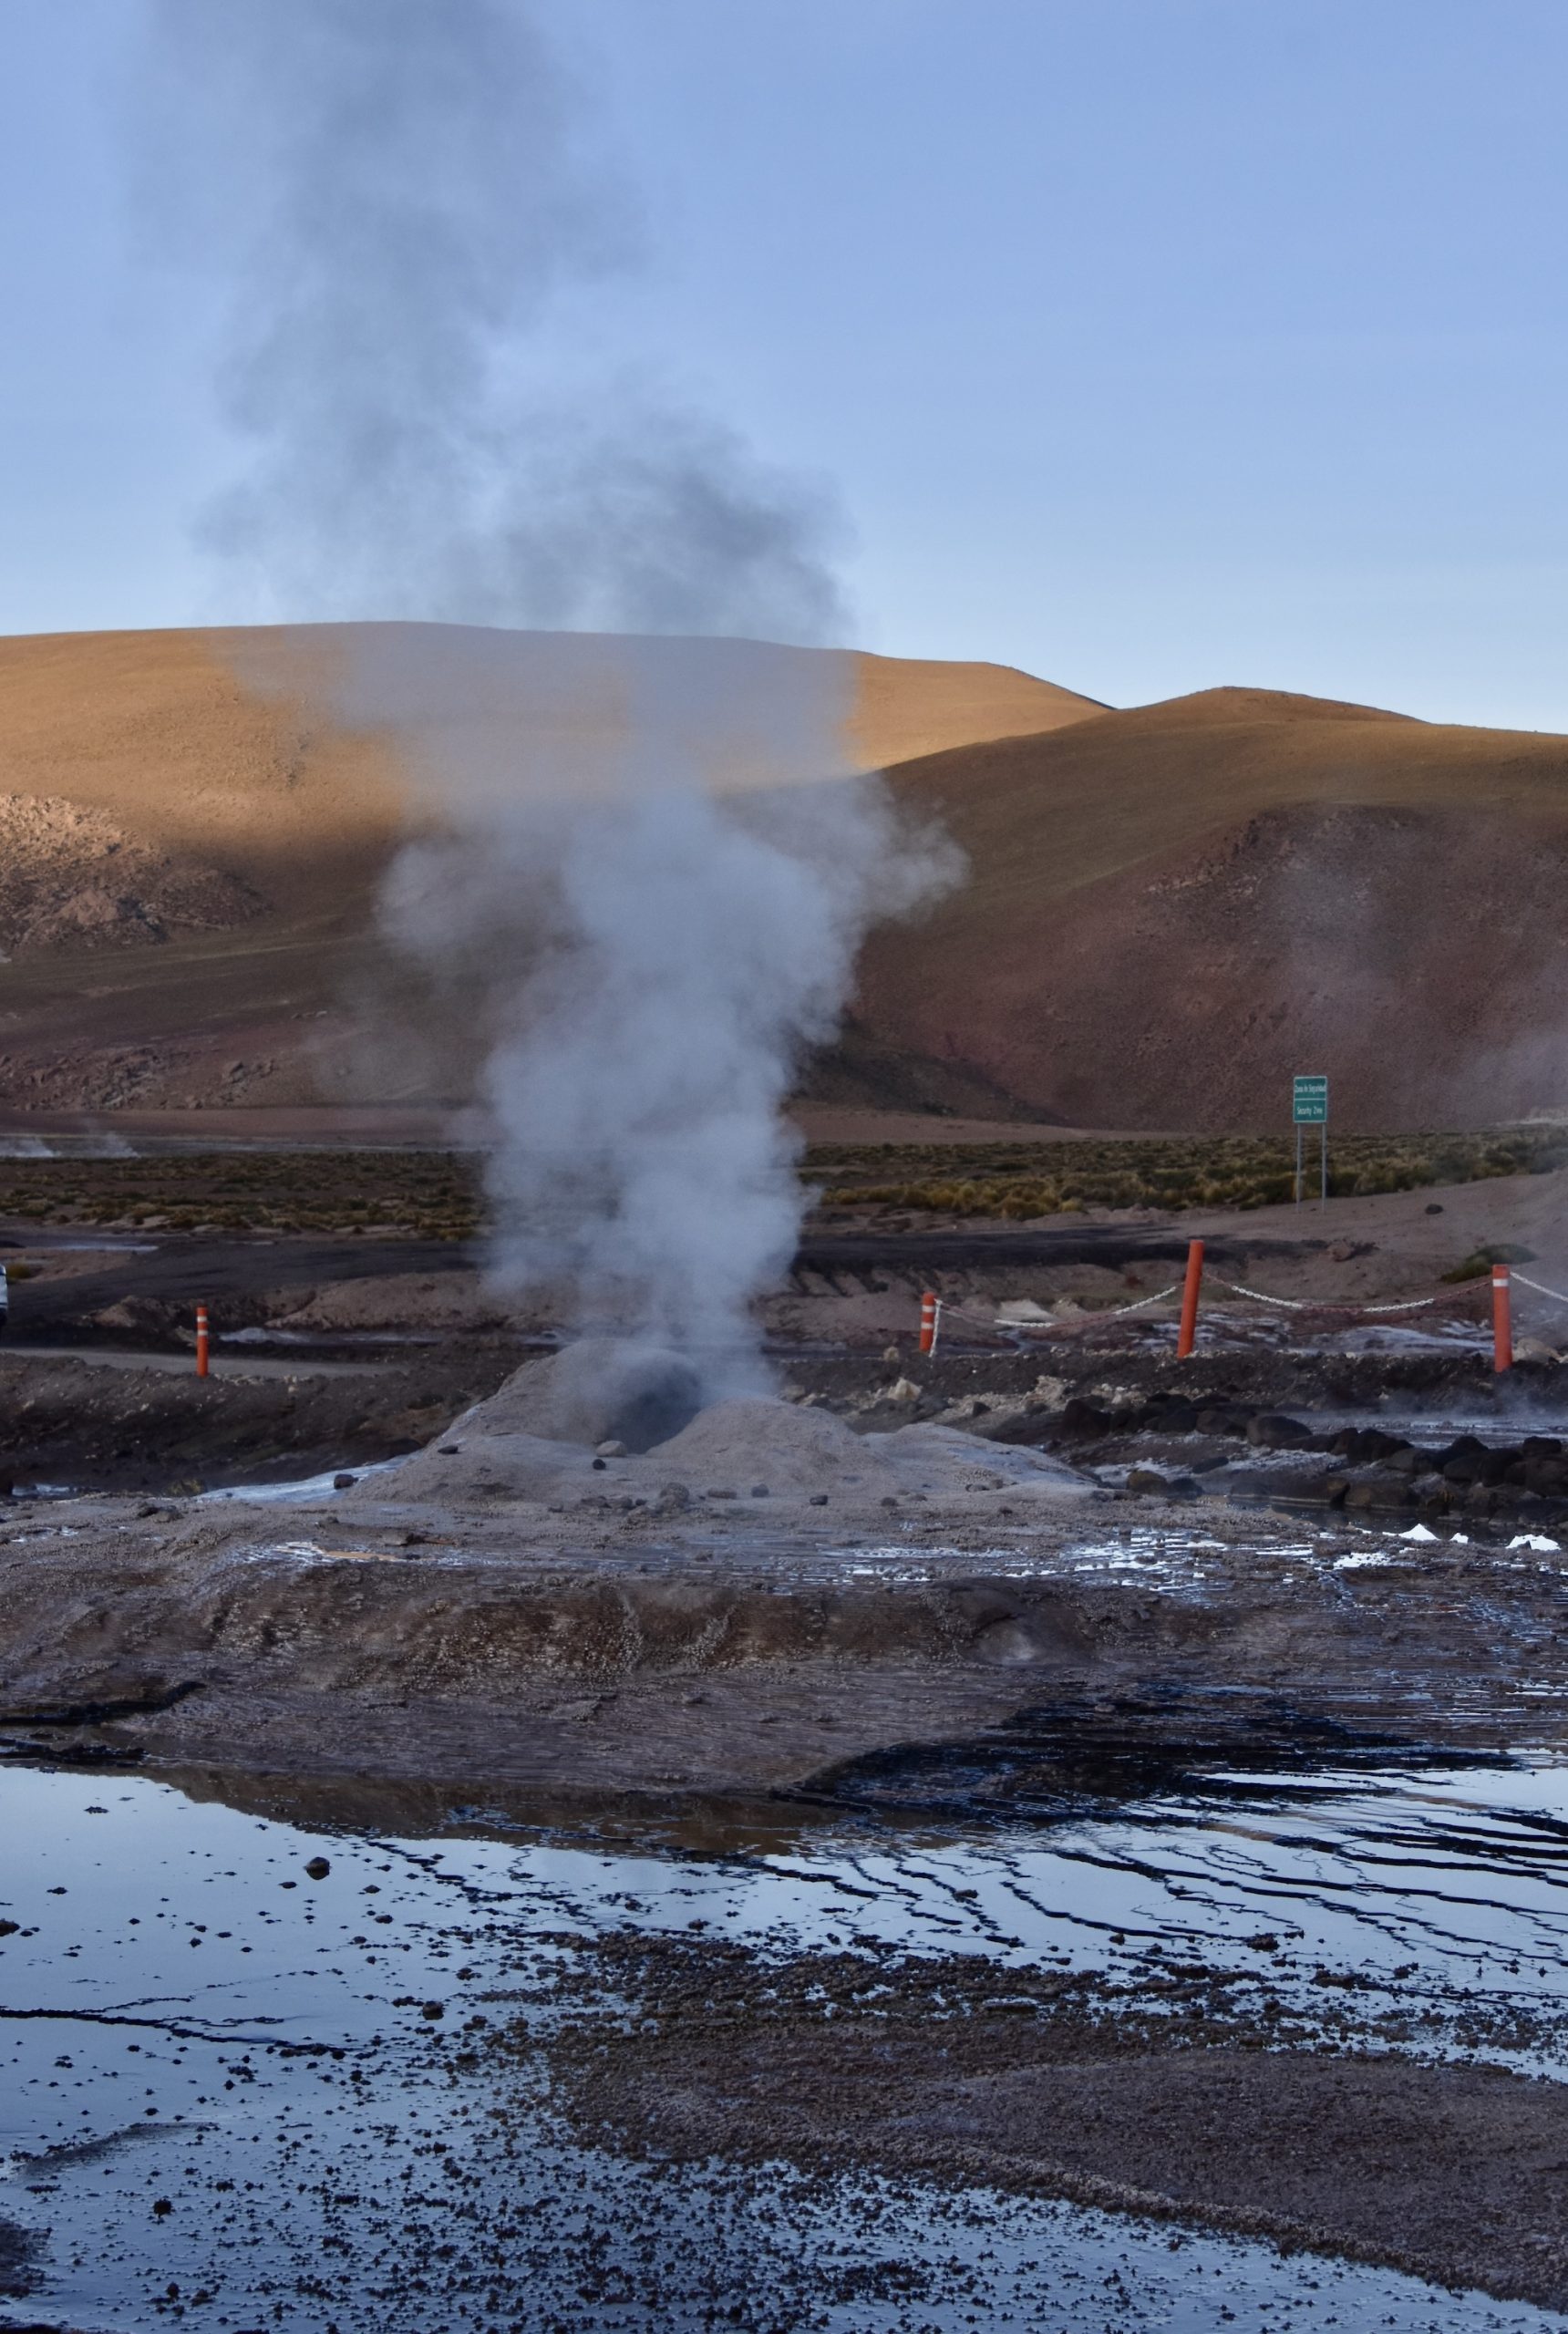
(1271, 1430)
(611, 1449)
(1081, 1418)
(317, 1868)
(344, 1482)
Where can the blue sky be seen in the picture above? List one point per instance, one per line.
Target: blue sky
(1147, 343)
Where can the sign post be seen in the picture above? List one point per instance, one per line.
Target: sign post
(1309, 1108)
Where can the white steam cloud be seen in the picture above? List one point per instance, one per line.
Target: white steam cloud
(649, 851)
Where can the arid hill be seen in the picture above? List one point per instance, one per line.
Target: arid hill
(1168, 911)
(167, 797)
(1172, 909)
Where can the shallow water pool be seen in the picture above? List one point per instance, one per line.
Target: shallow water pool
(243, 2093)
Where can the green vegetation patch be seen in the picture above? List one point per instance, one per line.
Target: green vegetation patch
(1019, 1180)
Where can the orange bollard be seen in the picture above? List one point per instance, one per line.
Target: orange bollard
(1501, 1319)
(1188, 1332)
(930, 1316)
(201, 1342)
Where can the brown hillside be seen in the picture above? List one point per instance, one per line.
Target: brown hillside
(155, 730)
(1174, 908)
(1169, 909)
(226, 843)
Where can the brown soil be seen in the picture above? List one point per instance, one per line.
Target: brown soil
(71, 879)
(617, 1629)
(1181, 2099)
(1173, 909)
(73, 1422)
(154, 755)
(1169, 909)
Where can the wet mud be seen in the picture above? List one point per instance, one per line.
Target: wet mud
(1016, 1834)
(1193, 2095)
(266, 2063)
(80, 1425)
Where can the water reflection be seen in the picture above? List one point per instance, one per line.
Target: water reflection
(244, 2089)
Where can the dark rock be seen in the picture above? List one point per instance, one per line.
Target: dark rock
(1480, 1465)
(317, 1868)
(1310, 1486)
(1272, 1430)
(1175, 1415)
(344, 1482)
(1383, 1494)
(1081, 1418)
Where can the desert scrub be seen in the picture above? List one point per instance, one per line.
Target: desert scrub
(1018, 1181)
(422, 1194)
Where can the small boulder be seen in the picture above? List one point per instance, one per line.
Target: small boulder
(1272, 1430)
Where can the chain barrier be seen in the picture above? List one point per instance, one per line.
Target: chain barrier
(1541, 1290)
(1070, 1322)
(1326, 1305)
(989, 1320)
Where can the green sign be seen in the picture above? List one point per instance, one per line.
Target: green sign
(1309, 1102)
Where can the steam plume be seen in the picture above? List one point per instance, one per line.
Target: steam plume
(651, 850)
